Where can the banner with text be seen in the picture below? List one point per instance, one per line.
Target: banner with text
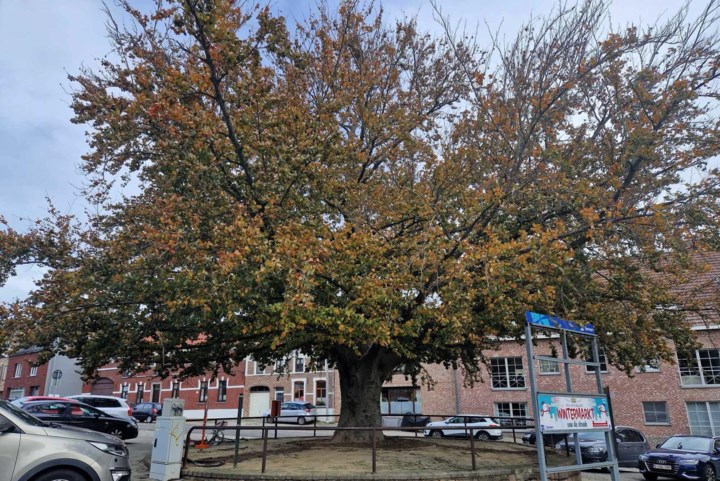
(571, 412)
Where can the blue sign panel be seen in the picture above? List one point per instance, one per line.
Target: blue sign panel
(543, 320)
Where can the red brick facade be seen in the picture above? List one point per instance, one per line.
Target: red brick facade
(24, 377)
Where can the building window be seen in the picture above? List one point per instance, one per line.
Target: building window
(400, 400)
(298, 390)
(704, 418)
(34, 390)
(320, 393)
(652, 366)
(507, 373)
(222, 391)
(700, 369)
(261, 369)
(601, 359)
(140, 393)
(549, 367)
(511, 410)
(3, 372)
(16, 393)
(279, 394)
(175, 392)
(18, 370)
(655, 412)
(299, 364)
(203, 391)
(124, 389)
(33, 370)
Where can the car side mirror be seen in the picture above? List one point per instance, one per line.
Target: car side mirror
(658, 445)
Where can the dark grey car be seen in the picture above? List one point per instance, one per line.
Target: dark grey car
(630, 442)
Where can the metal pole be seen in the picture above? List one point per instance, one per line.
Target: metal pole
(327, 392)
(264, 453)
(374, 454)
(472, 450)
(536, 409)
(237, 431)
(569, 388)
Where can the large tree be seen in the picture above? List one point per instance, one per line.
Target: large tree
(374, 196)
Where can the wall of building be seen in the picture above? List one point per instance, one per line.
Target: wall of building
(3, 375)
(27, 379)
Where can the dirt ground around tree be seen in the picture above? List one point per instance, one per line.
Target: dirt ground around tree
(394, 455)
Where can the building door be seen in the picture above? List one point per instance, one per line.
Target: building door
(259, 401)
(155, 392)
(102, 387)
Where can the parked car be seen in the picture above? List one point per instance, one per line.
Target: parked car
(550, 439)
(30, 447)
(682, 457)
(294, 412)
(630, 442)
(483, 427)
(20, 402)
(79, 415)
(147, 411)
(116, 406)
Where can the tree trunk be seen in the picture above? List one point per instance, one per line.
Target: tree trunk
(361, 380)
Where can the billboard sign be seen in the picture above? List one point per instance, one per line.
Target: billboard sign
(543, 320)
(570, 412)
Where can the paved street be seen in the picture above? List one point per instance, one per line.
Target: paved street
(141, 448)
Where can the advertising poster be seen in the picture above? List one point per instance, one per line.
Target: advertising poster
(568, 412)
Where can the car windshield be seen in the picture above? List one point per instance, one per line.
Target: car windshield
(28, 418)
(688, 443)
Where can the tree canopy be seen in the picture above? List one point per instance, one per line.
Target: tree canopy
(372, 195)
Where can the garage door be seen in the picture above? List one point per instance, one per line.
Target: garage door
(102, 387)
(259, 402)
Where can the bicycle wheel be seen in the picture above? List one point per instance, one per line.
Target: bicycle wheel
(217, 437)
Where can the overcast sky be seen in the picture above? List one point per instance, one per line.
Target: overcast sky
(45, 40)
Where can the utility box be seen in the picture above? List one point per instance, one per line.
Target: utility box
(167, 452)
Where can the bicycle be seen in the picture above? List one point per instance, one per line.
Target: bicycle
(216, 435)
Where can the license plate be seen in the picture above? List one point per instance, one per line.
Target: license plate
(662, 466)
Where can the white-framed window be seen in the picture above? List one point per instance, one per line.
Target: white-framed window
(3, 372)
(33, 370)
(602, 359)
(507, 373)
(124, 390)
(262, 369)
(279, 394)
(222, 390)
(549, 367)
(202, 396)
(18, 370)
(175, 390)
(655, 412)
(16, 393)
(320, 392)
(34, 390)
(700, 369)
(299, 390)
(514, 410)
(140, 392)
(299, 364)
(704, 418)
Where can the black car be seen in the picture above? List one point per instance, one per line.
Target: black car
(147, 411)
(73, 413)
(550, 439)
(630, 443)
(682, 457)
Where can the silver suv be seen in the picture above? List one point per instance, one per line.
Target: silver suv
(33, 450)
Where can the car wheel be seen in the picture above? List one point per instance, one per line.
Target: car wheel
(117, 432)
(709, 473)
(302, 420)
(61, 475)
(649, 476)
(482, 436)
(436, 434)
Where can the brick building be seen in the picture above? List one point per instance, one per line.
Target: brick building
(302, 381)
(26, 377)
(222, 395)
(3, 375)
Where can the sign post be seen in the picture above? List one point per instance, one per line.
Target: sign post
(569, 412)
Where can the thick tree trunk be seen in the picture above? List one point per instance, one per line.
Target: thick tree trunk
(361, 380)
